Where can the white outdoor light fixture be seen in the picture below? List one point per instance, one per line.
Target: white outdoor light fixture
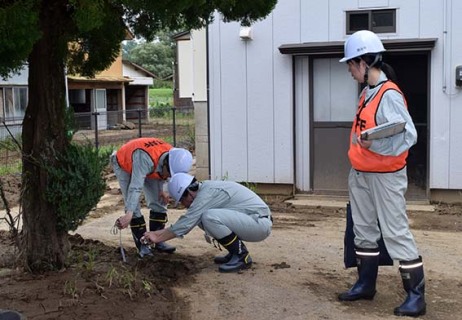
(245, 33)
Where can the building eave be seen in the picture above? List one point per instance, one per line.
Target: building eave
(336, 47)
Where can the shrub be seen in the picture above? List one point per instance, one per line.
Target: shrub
(76, 184)
(160, 111)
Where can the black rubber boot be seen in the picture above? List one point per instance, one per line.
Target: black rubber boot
(368, 267)
(412, 274)
(10, 315)
(138, 227)
(222, 259)
(157, 221)
(240, 257)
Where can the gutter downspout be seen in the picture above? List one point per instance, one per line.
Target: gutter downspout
(447, 50)
(207, 76)
(66, 84)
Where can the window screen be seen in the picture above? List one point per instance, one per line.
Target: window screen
(383, 21)
(378, 21)
(358, 21)
(13, 102)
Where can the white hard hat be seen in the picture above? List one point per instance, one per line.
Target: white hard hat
(179, 160)
(178, 185)
(362, 42)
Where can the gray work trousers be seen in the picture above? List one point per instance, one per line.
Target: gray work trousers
(220, 222)
(379, 197)
(151, 190)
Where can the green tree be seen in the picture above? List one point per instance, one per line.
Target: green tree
(127, 47)
(82, 36)
(157, 57)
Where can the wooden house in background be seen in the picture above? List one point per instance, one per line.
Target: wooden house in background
(117, 94)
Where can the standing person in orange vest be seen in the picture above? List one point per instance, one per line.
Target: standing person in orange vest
(378, 178)
(144, 164)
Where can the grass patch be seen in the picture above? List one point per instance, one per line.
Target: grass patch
(160, 97)
(15, 167)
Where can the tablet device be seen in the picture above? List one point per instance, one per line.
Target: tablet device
(384, 130)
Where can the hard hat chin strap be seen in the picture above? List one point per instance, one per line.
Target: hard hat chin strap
(377, 59)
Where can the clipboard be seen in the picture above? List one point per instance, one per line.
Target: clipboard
(384, 130)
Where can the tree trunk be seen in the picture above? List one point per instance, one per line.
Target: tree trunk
(43, 135)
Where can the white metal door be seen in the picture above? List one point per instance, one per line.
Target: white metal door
(334, 105)
(100, 107)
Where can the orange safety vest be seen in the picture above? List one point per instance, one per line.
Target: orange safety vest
(153, 147)
(363, 159)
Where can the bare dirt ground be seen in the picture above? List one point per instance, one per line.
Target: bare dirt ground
(297, 271)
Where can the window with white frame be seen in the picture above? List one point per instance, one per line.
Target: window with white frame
(378, 21)
(13, 102)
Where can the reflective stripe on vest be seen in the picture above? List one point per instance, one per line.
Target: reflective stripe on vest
(363, 159)
(152, 146)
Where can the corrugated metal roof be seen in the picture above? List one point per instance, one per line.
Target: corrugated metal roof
(99, 79)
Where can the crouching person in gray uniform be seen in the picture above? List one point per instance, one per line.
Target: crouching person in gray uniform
(225, 210)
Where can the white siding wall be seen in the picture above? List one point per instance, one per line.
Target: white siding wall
(436, 17)
(314, 20)
(129, 71)
(252, 87)
(199, 61)
(251, 102)
(259, 104)
(185, 68)
(228, 105)
(286, 29)
(439, 104)
(139, 77)
(453, 95)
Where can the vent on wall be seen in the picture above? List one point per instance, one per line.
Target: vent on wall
(245, 33)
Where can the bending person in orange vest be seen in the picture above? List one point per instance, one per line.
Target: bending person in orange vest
(144, 164)
(378, 179)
